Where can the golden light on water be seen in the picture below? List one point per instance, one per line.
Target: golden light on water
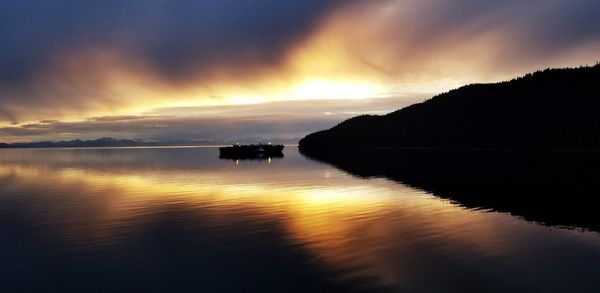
(340, 219)
(371, 228)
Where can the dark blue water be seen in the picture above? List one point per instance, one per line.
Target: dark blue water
(180, 219)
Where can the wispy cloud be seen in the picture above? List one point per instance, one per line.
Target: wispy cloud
(271, 120)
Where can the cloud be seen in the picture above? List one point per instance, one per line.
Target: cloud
(67, 54)
(119, 61)
(435, 41)
(178, 37)
(291, 119)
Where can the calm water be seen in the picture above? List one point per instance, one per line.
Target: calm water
(180, 219)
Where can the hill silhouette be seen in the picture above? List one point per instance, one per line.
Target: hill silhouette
(529, 146)
(549, 109)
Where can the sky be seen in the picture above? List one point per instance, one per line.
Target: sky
(262, 69)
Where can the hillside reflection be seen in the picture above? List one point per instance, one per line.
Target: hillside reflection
(553, 187)
(181, 219)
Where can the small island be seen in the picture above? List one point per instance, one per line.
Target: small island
(249, 151)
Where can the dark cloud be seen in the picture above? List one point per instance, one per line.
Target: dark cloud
(55, 54)
(179, 37)
(183, 38)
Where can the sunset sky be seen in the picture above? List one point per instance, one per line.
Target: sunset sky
(235, 69)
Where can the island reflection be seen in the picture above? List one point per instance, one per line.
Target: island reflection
(181, 219)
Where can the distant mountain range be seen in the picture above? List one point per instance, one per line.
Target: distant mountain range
(112, 142)
(102, 142)
(549, 109)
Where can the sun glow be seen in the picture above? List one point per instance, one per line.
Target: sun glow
(324, 89)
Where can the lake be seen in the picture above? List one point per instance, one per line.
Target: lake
(181, 219)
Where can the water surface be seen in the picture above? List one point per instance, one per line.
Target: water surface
(180, 219)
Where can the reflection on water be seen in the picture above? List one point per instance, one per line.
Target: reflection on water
(183, 220)
(551, 187)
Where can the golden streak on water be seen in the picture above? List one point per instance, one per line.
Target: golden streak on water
(347, 222)
(331, 219)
